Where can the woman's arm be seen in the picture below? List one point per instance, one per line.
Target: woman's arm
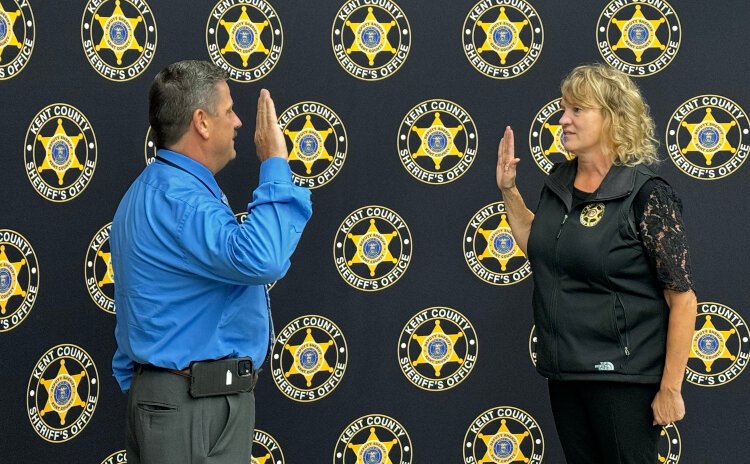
(668, 405)
(519, 216)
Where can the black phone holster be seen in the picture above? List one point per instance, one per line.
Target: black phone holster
(227, 376)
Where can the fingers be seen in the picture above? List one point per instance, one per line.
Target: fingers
(667, 410)
(266, 116)
(511, 145)
(659, 420)
(269, 140)
(506, 150)
(501, 152)
(269, 108)
(259, 116)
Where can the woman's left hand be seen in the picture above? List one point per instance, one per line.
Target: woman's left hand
(668, 406)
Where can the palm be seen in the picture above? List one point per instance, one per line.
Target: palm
(506, 161)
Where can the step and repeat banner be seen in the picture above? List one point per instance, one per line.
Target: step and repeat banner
(405, 333)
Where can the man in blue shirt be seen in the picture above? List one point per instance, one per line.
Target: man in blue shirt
(189, 280)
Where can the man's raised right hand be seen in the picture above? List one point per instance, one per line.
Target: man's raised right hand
(269, 140)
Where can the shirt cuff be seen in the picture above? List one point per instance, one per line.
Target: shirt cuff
(275, 169)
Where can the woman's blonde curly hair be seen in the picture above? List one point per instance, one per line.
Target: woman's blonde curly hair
(628, 127)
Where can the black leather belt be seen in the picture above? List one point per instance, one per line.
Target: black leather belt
(212, 378)
(150, 367)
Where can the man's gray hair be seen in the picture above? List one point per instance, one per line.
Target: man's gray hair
(177, 91)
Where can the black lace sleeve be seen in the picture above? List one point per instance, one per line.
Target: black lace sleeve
(663, 236)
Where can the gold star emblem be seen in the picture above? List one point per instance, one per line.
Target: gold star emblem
(372, 248)
(118, 33)
(638, 34)
(438, 348)
(244, 37)
(557, 141)
(592, 214)
(9, 279)
(62, 392)
(709, 137)
(7, 36)
(309, 144)
(710, 344)
(503, 446)
(109, 275)
(659, 456)
(260, 460)
(438, 141)
(371, 37)
(500, 244)
(503, 36)
(61, 152)
(373, 450)
(309, 358)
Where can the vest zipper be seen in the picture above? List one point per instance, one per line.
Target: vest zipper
(565, 218)
(554, 294)
(626, 341)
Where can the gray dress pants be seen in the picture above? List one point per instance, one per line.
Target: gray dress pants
(165, 425)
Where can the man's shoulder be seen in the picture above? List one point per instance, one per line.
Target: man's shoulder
(171, 184)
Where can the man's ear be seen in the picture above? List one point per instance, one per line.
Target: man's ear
(201, 123)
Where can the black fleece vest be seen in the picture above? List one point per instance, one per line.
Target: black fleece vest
(599, 310)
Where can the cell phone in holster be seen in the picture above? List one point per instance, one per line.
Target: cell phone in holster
(221, 377)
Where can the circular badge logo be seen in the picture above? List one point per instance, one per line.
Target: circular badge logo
(490, 249)
(638, 38)
(720, 348)
(62, 393)
(318, 140)
(98, 271)
(591, 214)
(707, 137)
(309, 358)
(149, 147)
(16, 37)
(437, 142)
(60, 152)
(502, 39)
(546, 137)
(504, 434)
(244, 38)
(118, 457)
(119, 37)
(532, 345)
(371, 39)
(437, 349)
(19, 279)
(375, 439)
(240, 219)
(372, 248)
(669, 445)
(266, 449)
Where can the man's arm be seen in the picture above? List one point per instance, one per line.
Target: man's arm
(122, 369)
(258, 250)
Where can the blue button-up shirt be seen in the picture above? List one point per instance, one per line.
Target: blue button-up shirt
(189, 280)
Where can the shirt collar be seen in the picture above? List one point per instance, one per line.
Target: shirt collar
(618, 182)
(193, 167)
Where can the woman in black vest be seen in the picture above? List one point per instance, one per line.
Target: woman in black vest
(614, 305)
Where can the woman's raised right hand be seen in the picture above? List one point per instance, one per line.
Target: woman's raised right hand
(506, 161)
